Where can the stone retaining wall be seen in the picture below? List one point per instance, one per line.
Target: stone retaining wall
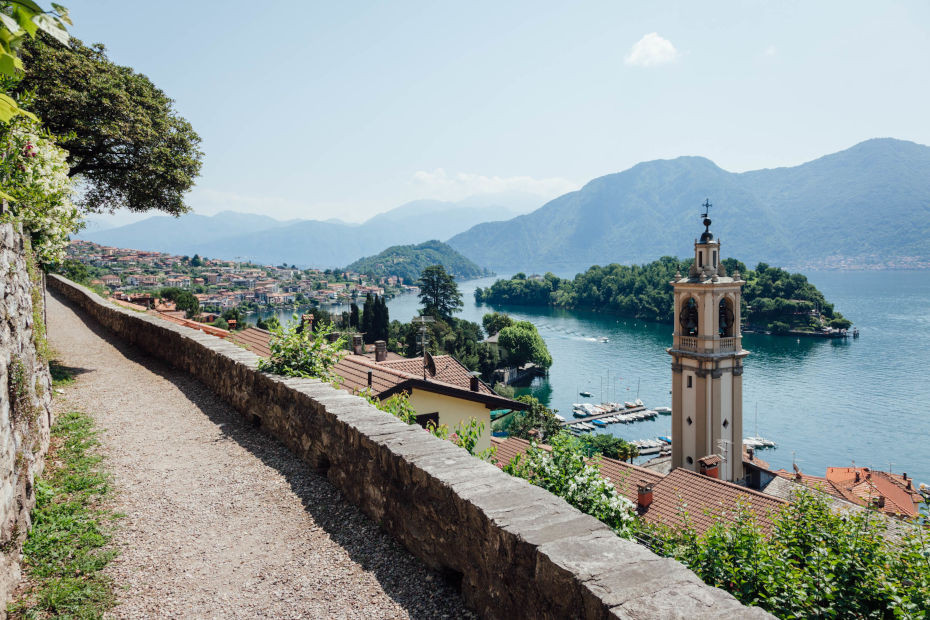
(24, 400)
(517, 550)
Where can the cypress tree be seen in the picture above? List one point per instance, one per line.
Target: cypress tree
(368, 315)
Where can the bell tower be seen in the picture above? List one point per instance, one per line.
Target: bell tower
(707, 361)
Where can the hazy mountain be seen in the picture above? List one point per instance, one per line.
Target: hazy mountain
(408, 261)
(869, 203)
(331, 243)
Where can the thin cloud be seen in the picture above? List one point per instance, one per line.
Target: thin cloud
(770, 50)
(445, 186)
(650, 51)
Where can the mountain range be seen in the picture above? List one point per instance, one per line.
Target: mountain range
(330, 243)
(867, 205)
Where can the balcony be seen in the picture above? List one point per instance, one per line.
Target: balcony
(688, 343)
(728, 344)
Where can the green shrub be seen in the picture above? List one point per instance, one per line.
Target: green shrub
(296, 352)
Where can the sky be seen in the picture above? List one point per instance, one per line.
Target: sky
(346, 109)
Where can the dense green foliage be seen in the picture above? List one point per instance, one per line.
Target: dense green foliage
(609, 446)
(124, 138)
(816, 563)
(773, 299)
(523, 344)
(298, 352)
(493, 322)
(567, 473)
(374, 321)
(439, 293)
(66, 550)
(408, 261)
(537, 422)
(183, 300)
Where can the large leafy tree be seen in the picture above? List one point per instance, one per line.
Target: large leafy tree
(439, 293)
(128, 145)
(524, 344)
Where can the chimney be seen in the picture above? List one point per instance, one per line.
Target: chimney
(358, 347)
(306, 321)
(751, 452)
(710, 466)
(858, 476)
(380, 350)
(474, 384)
(643, 495)
(369, 378)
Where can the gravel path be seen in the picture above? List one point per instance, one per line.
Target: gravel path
(221, 520)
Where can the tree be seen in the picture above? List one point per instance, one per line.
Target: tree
(368, 317)
(439, 293)
(196, 261)
(353, 315)
(537, 419)
(124, 138)
(524, 344)
(493, 322)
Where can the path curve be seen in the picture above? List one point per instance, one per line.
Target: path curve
(221, 520)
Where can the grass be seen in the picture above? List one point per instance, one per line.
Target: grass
(61, 375)
(65, 552)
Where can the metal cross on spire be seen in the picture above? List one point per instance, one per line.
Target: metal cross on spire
(707, 205)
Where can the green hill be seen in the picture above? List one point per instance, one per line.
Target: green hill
(407, 261)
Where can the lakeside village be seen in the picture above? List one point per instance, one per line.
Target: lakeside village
(225, 290)
(707, 498)
(443, 391)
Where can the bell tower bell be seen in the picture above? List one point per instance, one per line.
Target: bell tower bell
(707, 366)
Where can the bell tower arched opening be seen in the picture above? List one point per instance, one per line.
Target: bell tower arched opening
(725, 318)
(689, 319)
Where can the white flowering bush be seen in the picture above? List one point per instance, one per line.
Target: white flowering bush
(34, 173)
(565, 472)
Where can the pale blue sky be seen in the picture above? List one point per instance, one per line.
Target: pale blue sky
(346, 109)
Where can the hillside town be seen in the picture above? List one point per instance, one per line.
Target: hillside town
(137, 276)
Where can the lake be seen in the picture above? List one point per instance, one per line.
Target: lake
(825, 402)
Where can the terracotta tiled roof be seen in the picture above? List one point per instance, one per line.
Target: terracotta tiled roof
(705, 500)
(448, 370)
(900, 496)
(389, 378)
(626, 477)
(255, 340)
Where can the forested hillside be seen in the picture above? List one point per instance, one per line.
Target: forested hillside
(773, 299)
(867, 205)
(407, 261)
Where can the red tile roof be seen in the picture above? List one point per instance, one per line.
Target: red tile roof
(685, 497)
(255, 340)
(448, 370)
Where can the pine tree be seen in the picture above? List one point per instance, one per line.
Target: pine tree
(368, 315)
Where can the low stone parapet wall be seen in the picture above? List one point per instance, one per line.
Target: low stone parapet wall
(517, 550)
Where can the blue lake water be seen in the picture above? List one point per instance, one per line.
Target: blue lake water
(825, 402)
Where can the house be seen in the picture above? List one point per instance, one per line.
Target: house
(442, 393)
(110, 280)
(893, 494)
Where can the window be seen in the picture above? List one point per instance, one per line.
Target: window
(690, 461)
(700, 259)
(426, 418)
(715, 259)
(690, 378)
(690, 422)
(726, 423)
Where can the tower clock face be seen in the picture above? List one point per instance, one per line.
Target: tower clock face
(688, 319)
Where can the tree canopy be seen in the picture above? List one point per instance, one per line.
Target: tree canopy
(524, 344)
(493, 322)
(439, 293)
(773, 299)
(126, 143)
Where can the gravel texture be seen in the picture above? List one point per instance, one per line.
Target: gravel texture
(221, 521)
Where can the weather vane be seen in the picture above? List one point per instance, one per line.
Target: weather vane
(707, 205)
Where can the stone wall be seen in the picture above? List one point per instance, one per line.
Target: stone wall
(25, 395)
(517, 550)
